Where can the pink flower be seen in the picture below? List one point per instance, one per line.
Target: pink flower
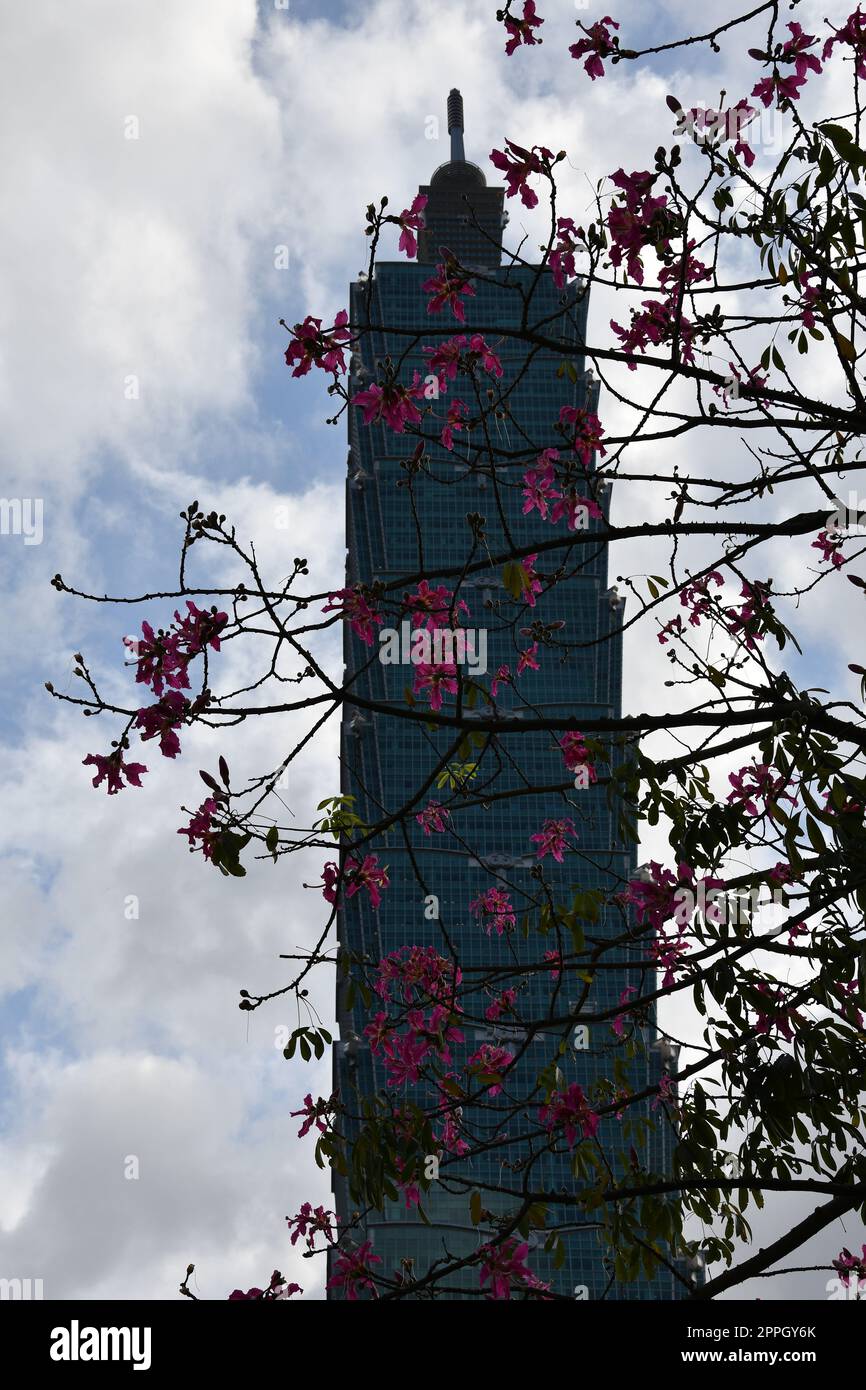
(450, 1137)
(599, 44)
(277, 1289)
(433, 608)
(318, 1113)
(696, 596)
(446, 287)
(666, 1091)
(435, 680)
(503, 1003)
(853, 34)
(447, 358)
(393, 403)
(161, 720)
(757, 780)
(830, 548)
(674, 628)
(660, 323)
(570, 1111)
(503, 1265)
(433, 817)
(576, 753)
(160, 661)
(422, 975)
(355, 877)
(568, 239)
(553, 838)
(353, 1271)
(618, 1024)
(353, 605)
(411, 220)
(502, 677)
(517, 164)
(588, 430)
(456, 410)
(751, 617)
(539, 484)
(520, 30)
(313, 348)
(200, 628)
(112, 769)
(534, 585)
(309, 1223)
(778, 88)
(847, 1264)
(526, 660)
(490, 1062)
(493, 909)
(201, 828)
(635, 222)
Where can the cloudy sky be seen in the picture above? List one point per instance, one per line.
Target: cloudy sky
(183, 174)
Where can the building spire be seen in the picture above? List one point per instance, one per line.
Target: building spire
(455, 125)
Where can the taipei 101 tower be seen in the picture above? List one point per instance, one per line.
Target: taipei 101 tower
(385, 760)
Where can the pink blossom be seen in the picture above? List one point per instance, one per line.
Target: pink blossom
(576, 754)
(160, 661)
(618, 1024)
(318, 1113)
(495, 905)
(277, 1289)
(526, 659)
(518, 164)
(411, 220)
(353, 1271)
(853, 35)
(539, 484)
(456, 411)
(847, 1264)
(635, 222)
(660, 323)
(199, 628)
(502, 1004)
(502, 677)
(356, 876)
(696, 596)
(112, 769)
(503, 1265)
(599, 44)
(748, 620)
(435, 680)
(433, 608)
(553, 838)
(446, 287)
(494, 909)
(433, 817)
(830, 548)
(313, 348)
(568, 239)
(490, 1061)
(393, 403)
(161, 720)
(587, 431)
(673, 628)
(757, 780)
(421, 973)
(570, 1111)
(201, 827)
(446, 359)
(534, 585)
(520, 30)
(309, 1223)
(354, 605)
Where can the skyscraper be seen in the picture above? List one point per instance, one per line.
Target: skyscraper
(400, 522)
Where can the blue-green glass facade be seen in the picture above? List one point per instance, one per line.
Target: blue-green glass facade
(385, 760)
